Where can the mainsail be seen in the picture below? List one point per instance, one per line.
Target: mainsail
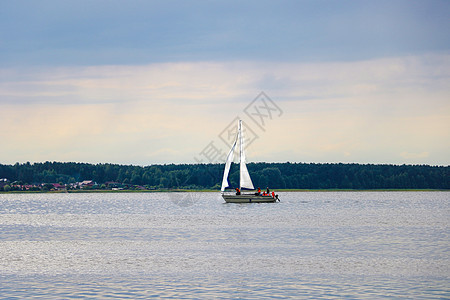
(245, 180)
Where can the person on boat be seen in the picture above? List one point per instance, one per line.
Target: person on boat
(268, 191)
(238, 191)
(259, 192)
(273, 194)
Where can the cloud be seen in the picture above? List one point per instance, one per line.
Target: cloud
(155, 82)
(212, 80)
(367, 111)
(144, 32)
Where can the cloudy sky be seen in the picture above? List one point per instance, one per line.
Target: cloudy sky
(154, 82)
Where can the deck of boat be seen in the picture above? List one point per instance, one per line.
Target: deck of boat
(248, 198)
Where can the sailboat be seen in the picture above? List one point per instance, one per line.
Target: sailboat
(245, 182)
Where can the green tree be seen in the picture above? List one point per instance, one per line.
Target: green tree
(47, 187)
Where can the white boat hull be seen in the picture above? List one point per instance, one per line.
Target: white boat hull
(249, 198)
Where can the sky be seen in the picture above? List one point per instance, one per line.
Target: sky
(160, 82)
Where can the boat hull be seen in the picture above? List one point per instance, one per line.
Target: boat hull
(248, 199)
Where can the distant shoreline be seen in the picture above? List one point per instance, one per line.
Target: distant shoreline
(195, 177)
(212, 191)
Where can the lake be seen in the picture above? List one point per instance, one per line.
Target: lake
(321, 245)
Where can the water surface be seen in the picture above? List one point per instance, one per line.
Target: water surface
(193, 245)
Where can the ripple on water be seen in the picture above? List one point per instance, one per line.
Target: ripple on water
(317, 245)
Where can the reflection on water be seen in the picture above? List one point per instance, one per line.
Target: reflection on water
(317, 245)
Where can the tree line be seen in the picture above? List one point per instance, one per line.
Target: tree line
(209, 176)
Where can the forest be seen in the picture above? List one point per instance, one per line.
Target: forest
(209, 176)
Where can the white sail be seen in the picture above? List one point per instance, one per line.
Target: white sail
(230, 156)
(245, 180)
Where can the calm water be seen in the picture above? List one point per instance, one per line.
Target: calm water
(192, 245)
